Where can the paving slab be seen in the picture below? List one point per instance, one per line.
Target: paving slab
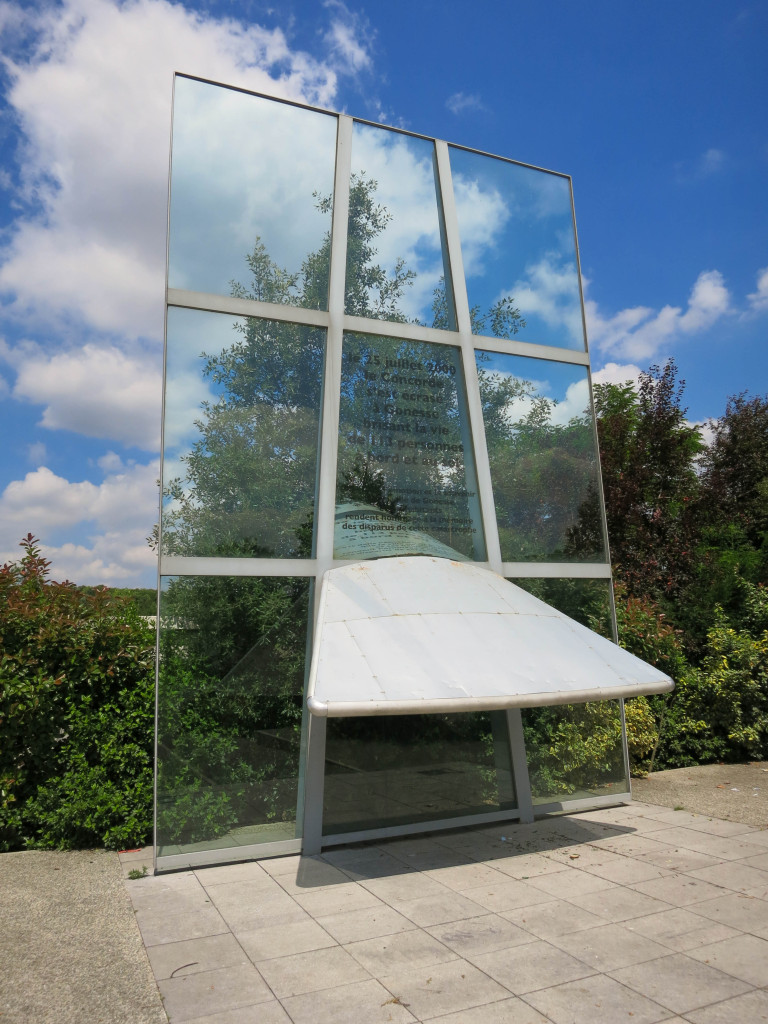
(596, 1000)
(679, 982)
(443, 988)
(638, 911)
(532, 966)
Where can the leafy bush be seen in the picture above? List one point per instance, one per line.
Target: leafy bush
(76, 713)
(720, 709)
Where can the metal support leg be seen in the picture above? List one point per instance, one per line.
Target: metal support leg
(314, 784)
(520, 765)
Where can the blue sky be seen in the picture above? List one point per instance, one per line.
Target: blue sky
(658, 110)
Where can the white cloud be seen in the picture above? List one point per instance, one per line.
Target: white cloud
(225, 193)
(483, 215)
(758, 300)
(617, 373)
(43, 501)
(641, 332)
(705, 428)
(344, 39)
(575, 403)
(550, 290)
(709, 300)
(113, 559)
(120, 512)
(461, 101)
(37, 453)
(98, 392)
(110, 462)
(711, 162)
(402, 168)
(706, 165)
(92, 97)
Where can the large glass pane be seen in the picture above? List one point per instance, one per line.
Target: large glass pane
(406, 477)
(543, 458)
(397, 264)
(251, 196)
(230, 699)
(413, 768)
(242, 419)
(519, 251)
(575, 751)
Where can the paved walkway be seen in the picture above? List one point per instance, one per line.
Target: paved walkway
(641, 914)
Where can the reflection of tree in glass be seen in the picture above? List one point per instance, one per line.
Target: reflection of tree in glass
(232, 665)
(250, 476)
(573, 748)
(544, 473)
(230, 704)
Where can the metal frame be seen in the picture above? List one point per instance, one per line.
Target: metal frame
(336, 322)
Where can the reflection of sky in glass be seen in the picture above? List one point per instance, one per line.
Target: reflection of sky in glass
(543, 458)
(403, 169)
(517, 239)
(244, 167)
(563, 383)
(190, 333)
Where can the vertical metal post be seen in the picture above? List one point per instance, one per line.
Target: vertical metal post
(314, 763)
(314, 786)
(520, 765)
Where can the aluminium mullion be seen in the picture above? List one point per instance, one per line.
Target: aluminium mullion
(314, 780)
(600, 488)
(514, 721)
(326, 499)
(531, 350)
(437, 336)
(215, 565)
(158, 621)
(226, 855)
(467, 345)
(213, 303)
(556, 570)
(460, 821)
(586, 803)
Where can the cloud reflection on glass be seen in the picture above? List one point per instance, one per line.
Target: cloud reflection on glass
(518, 242)
(247, 171)
(543, 458)
(396, 173)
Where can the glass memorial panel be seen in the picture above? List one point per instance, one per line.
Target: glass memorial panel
(404, 769)
(251, 196)
(518, 246)
(575, 751)
(406, 480)
(230, 700)
(397, 262)
(543, 458)
(241, 436)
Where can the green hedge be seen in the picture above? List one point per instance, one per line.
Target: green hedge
(76, 713)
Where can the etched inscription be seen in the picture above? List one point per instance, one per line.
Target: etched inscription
(406, 472)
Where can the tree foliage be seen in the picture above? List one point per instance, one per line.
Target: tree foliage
(648, 458)
(76, 713)
(688, 529)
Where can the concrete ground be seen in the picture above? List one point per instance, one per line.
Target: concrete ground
(735, 792)
(70, 950)
(640, 913)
